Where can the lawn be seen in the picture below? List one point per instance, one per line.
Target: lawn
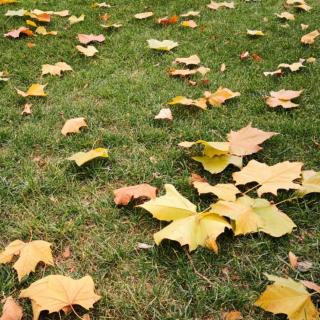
(119, 91)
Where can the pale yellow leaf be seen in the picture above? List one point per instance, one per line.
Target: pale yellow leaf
(164, 113)
(35, 90)
(73, 125)
(83, 157)
(310, 182)
(74, 19)
(165, 45)
(217, 98)
(143, 15)
(55, 69)
(217, 5)
(256, 33)
(309, 38)
(26, 109)
(43, 31)
(88, 51)
(189, 24)
(191, 14)
(227, 191)
(192, 60)
(294, 66)
(285, 15)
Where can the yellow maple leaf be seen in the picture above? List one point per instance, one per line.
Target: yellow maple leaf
(255, 33)
(271, 178)
(55, 69)
(55, 293)
(310, 182)
(143, 15)
(192, 60)
(43, 31)
(224, 191)
(219, 97)
(82, 157)
(7, 1)
(73, 19)
(254, 215)
(200, 103)
(30, 254)
(246, 141)
(310, 37)
(188, 226)
(189, 24)
(88, 51)
(36, 90)
(288, 297)
(73, 125)
(165, 45)
(285, 15)
(217, 5)
(210, 149)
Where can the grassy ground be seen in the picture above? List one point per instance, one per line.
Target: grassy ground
(43, 196)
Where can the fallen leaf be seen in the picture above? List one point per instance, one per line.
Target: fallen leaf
(256, 57)
(215, 5)
(196, 178)
(304, 266)
(255, 33)
(55, 69)
(73, 125)
(166, 21)
(309, 38)
(227, 191)
(223, 67)
(294, 66)
(74, 19)
(310, 182)
(83, 157)
(165, 45)
(66, 254)
(143, 15)
(270, 178)
(101, 5)
(191, 14)
(200, 103)
(246, 141)
(7, 1)
(88, 51)
(289, 297)
(63, 13)
(254, 215)
(55, 293)
(277, 73)
(87, 38)
(283, 98)
(189, 24)
(86, 317)
(144, 246)
(219, 97)
(126, 194)
(31, 253)
(35, 90)
(192, 60)
(31, 45)
(285, 15)
(43, 31)
(311, 60)
(15, 13)
(304, 26)
(111, 26)
(293, 260)
(188, 227)
(244, 55)
(217, 164)
(31, 23)
(164, 113)
(182, 72)
(232, 315)
(4, 76)
(26, 109)
(11, 310)
(16, 33)
(311, 285)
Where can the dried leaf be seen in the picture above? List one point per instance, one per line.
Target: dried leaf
(7, 1)
(88, 51)
(83, 157)
(277, 73)
(87, 38)
(232, 315)
(254, 215)
(16, 33)
(35, 90)
(256, 57)
(15, 13)
(215, 5)
(311, 60)
(101, 5)
(188, 227)
(11, 310)
(4, 76)
(165, 45)
(227, 191)
(246, 141)
(192, 60)
(294, 66)
(55, 69)
(27, 109)
(255, 33)
(73, 125)
(285, 15)
(219, 97)
(166, 21)
(143, 15)
(309, 38)
(164, 113)
(144, 246)
(31, 45)
(283, 98)
(55, 293)
(304, 26)
(270, 178)
(43, 31)
(74, 19)
(304, 266)
(126, 194)
(31, 253)
(189, 24)
(244, 55)
(293, 260)
(311, 285)
(191, 14)
(289, 297)
(223, 67)
(200, 103)
(111, 26)
(310, 182)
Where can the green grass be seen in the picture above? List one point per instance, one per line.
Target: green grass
(119, 91)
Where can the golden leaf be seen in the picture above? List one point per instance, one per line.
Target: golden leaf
(289, 297)
(189, 24)
(165, 45)
(43, 31)
(255, 33)
(82, 157)
(217, 98)
(87, 38)
(55, 293)
(35, 90)
(224, 191)
(31, 253)
(270, 178)
(73, 125)
(285, 15)
(124, 195)
(200, 103)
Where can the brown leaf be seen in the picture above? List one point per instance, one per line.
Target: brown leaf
(166, 21)
(311, 285)
(26, 109)
(256, 57)
(87, 38)
(293, 260)
(124, 195)
(11, 310)
(164, 113)
(196, 178)
(16, 33)
(304, 266)
(232, 315)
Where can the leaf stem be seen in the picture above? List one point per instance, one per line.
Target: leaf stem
(74, 311)
(286, 200)
(255, 187)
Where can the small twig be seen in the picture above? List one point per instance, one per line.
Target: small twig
(286, 200)
(196, 271)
